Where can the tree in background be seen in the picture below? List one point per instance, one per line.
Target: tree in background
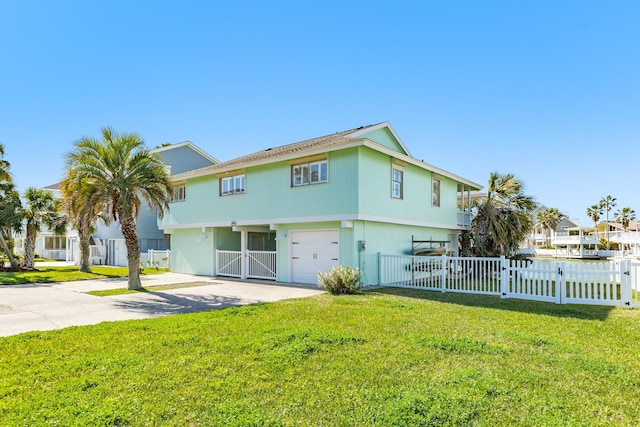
(40, 210)
(10, 205)
(119, 172)
(606, 204)
(624, 215)
(594, 213)
(10, 220)
(503, 219)
(83, 210)
(549, 220)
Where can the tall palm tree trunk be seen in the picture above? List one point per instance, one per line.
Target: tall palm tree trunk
(9, 252)
(128, 229)
(84, 236)
(547, 242)
(29, 248)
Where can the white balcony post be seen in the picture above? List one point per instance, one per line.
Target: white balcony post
(243, 254)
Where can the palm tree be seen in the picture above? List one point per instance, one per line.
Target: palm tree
(5, 175)
(606, 204)
(10, 220)
(40, 210)
(82, 211)
(549, 220)
(594, 213)
(9, 207)
(502, 219)
(119, 172)
(625, 215)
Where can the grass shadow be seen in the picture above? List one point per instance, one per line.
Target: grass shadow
(584, 312)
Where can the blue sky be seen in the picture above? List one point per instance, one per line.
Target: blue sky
(547, 90)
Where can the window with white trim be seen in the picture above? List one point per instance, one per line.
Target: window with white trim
(397, 183)
(232, 185)
(435, 192)
(309, 173)
(179, 193)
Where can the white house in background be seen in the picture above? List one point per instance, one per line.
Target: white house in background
(628, 240)
(568, 240)
(107, 243)
(576, 242)
(571, 240)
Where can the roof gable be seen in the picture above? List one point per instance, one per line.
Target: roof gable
(184, 157)
(383, 134)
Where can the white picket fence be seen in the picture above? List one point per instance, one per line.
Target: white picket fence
(156, 259)
(599, 283)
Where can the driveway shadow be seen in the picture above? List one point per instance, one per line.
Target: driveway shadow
(585, 312)
(162, 303)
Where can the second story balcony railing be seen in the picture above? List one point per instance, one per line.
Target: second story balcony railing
(623, 236)
(566, 239)
(464, 219)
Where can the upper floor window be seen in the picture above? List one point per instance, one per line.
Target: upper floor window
(396, 184)
(232, 185)
(309, 173)
(435, 192)
(179, 193)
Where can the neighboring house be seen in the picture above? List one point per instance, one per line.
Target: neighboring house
(289, 212)
(628, 241)
(568, 240)
(107, 242)
(539, 237)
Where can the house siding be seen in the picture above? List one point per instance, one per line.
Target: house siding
(386, 238)
(356, 201)
(193, 251)
(384, 137)
(269, 195)
(416, 204)
(266, 189)
(183, 159)
(151, 237)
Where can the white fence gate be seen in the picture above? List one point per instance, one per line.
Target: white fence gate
(260, 264)
(599, 283)
(228, 263)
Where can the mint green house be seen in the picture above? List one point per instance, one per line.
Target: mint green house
(289, 212)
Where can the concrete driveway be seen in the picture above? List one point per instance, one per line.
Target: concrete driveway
(41, 307)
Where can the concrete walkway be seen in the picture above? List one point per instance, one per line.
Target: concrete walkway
(49, 306)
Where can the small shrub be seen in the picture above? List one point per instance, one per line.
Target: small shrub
(341, 280)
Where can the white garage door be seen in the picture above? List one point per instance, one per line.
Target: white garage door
(313, 252)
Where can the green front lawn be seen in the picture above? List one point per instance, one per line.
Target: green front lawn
(66, 274)
(384, 358)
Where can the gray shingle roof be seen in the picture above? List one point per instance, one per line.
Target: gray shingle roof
(326, 141)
